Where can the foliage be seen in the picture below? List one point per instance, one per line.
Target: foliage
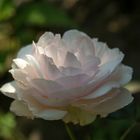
(7, 124)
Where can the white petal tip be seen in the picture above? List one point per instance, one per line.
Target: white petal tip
(7, 88)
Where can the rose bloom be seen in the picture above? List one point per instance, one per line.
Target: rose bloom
(73, 78)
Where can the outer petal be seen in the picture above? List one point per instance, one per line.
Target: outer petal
(122, 98)
(31, 107)
(19, 63)
(119, 77)
(51, 114)
(20, 77)
(21, 109)
(24, 51)
(122, 74)
(90, 103)
(10, 89)
(110, 58)
(106, 54)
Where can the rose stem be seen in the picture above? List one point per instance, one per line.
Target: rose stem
(125, 134)
(70, 133)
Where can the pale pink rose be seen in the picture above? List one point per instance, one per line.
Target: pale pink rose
(73, 78)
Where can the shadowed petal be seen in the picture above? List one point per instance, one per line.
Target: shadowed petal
(73, 81)
(21, 109)
(70, 71)
(51, 114)
(122, 98)
(71, 61)
(46, 87)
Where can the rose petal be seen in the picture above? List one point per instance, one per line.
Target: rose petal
(35, 65)
(51, 114)
(20, 63)
(91, 66)
(122, 99)
(24, 51)
(77, 41)
(49, 69)
(20, 77)
(70, 94)
(46, 87)
(70, 37)
(101, 91)
(105, 53)
(10, 89)
(120, 76)
(61, 96)
(73, 81)
(71, 61)
(110, 58)
(54, 50)
(85, 103)
(38, 101)
(70, 71)
(45, 39)
(21, 109)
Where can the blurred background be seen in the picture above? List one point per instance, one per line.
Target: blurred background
(116, 22)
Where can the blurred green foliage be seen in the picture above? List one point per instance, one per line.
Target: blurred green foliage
(7, 124)
(42, 14)
(115, 22)
(111, 129)
(7, 9)
(8, 127)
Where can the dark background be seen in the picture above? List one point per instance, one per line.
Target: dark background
(116, 22)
